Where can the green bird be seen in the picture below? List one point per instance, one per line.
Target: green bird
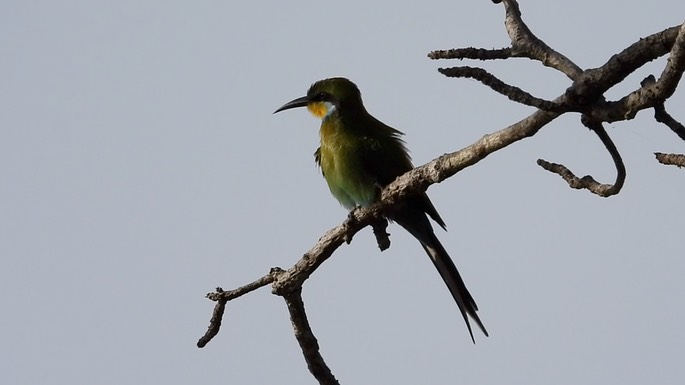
(359, 156)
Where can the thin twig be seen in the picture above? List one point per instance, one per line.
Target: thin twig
(214, 322)
(671, 159)
(662, 116)
(588, 182)
(379, 231)
(513, 93)
(525, 44)
(222, 297)
(472, 53)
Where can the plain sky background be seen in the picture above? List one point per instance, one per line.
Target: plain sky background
(141, 166)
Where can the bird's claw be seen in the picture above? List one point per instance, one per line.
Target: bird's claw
(351, 220)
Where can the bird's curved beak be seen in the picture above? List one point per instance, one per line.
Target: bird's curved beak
(299, 102)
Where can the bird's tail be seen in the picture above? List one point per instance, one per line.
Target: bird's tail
(417, 224)
(449, 273)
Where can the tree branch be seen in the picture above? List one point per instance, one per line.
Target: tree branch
(587, 90)
(585, 95)
(671, 159)
(305, 337)
(662, 116)
(380, 226)
(650, 94)
(525, 44)
(588, 182)
(221, 297)
(513, 93)
(472, 53)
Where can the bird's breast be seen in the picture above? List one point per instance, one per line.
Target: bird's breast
(343, 168)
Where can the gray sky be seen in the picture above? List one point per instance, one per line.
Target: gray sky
(141, 166)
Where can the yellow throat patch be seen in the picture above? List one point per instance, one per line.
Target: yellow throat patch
(320, 109)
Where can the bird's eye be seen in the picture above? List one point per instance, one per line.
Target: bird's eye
(321, 96)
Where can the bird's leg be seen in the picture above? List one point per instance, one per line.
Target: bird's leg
(350, 214)
(379, 225)
(351, 220)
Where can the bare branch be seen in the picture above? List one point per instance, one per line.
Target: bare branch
(306, 339)
(586, 93)
(662, 116)
(588, 89)
(379, 231)
(293, 278)
(651, 93)
(214, 322)
(588, 182)
(673, 72)
(525, 44)
(671, 159)
(472, 53)
(513, 93)
(222, 297)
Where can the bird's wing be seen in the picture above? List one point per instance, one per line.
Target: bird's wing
(382, 153)
(386, 158)
(317, 159)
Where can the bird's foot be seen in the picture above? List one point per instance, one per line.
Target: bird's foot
(350, 222)
(351, 214)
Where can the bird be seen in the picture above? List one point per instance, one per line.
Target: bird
(358, 156)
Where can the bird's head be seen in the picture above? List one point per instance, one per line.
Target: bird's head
(328, 96)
